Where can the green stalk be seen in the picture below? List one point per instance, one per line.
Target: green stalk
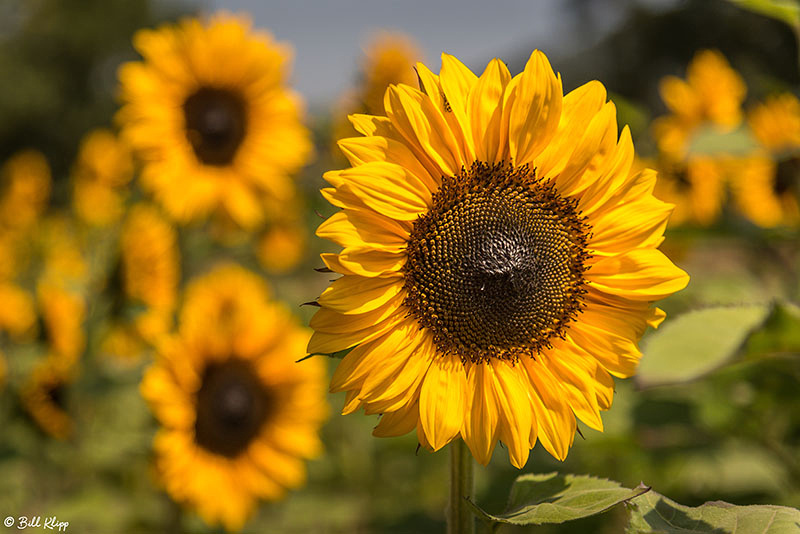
(459, 517)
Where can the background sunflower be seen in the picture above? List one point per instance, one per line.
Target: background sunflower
(238, 416)
(213, 140)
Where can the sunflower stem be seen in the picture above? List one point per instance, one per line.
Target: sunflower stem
(459, 517)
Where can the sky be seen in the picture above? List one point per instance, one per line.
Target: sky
(328, 37)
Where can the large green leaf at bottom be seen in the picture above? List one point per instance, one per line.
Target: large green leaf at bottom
(537, 499)
(655, 514)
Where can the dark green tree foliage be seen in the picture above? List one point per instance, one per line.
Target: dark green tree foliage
(58, 61)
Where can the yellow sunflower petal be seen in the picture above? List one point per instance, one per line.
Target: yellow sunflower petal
(535, 109)
(643, 274)
(443, 400)
(486, 112)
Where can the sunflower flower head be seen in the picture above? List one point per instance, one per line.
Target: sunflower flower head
(389, 58)
(44, 396)
(499, 260)
(696, 187)
(103, 167)
(211, 138)
(238, 415)
(26, 183)
(150, 268)
(712, 93)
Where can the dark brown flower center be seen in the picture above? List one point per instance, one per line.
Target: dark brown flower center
(56, 393)
(787, 176)
(216, 122)
(232, 406)
(495, 268)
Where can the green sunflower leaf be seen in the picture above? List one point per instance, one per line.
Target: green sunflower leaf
(697, 342)
(654, 513)
(537, 499)
(710, 141)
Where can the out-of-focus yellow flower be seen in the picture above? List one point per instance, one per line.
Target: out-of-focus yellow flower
(389, 58)
(776, 124)
(696, 187)
(209, 112)
(104, 158)
(25, 189)
(765, 191)
(282, 246)
(17, 312)
(238, 415)
(765, 185)
(150, 268)
(44, 397)
(123, 341)
(62, 256)
(61, 288)
(63, 312)
(103, 167)
(712, 93)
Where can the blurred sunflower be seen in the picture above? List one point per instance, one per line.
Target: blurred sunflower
(281, 246)
(25, 189)
(712, 93)
(44, 397)
(103, 167)
(766, 187)
(61, 288)
(63, 312)
(388, 58)
(499, 260)
(150, 269)
(696, 187)
(18, 312)
(238, 415)
(213, 138)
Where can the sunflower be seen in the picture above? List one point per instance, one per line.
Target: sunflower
(61, 289)
(696, 187)
(213, 138)
(103, 167)
(499, 260)
(388, 58)
(281, 246)
(238, 414)
(25, 189)
(766, 187)
(712, 93)
(44, 396)
(18, 312)
(150, 268)
(63, 311)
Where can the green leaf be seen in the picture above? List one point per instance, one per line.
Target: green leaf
(697, 342)
(711, 141)
(654, 513)
(537, 499)
(787, 11)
